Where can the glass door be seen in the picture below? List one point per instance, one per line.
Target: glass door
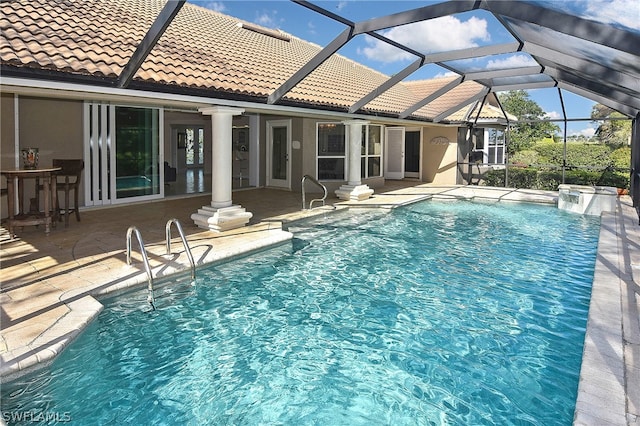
(122, 153)
(394, 153)
(278, 153)
(412, 154)
(136, 157)
(194, 144)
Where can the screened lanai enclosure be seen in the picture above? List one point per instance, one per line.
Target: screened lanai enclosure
(549, 49)
(598, 61)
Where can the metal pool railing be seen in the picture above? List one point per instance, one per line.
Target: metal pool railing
(324, 189)
(145, 259)
(184, 242)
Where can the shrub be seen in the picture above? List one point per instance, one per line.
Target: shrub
(582, 177)
(518, 178)
(523, 178)
(579, 155)
(494, 178)
(527, 157)
(607, 168)
(549, 180)
(533, 178)
(621, 158)
(615, 179)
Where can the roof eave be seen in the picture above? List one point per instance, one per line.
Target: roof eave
(30, 84)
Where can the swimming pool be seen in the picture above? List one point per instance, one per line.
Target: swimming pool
(435, 313)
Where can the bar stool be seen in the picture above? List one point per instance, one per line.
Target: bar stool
(71, 171)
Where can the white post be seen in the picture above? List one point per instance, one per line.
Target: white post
(354, 189)
(222, 214)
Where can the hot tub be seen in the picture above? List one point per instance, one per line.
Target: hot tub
(590, 200)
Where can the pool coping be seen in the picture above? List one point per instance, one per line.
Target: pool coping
(609, 386)
(81, 305)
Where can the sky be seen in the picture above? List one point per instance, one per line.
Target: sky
(470, 29)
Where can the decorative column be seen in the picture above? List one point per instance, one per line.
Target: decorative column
(354, 189)
(222, 214)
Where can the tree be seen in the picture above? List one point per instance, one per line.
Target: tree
(611, 130)
(524, 134)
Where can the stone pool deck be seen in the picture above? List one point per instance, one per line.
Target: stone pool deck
(50, 285)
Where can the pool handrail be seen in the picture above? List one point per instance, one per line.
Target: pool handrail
(145, 260)
(314, 180)
(184, 242)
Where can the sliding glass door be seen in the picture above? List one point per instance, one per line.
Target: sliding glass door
(137, 148)
(123, 153)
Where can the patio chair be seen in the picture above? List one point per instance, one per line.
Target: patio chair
(71, 172)
(170, 173)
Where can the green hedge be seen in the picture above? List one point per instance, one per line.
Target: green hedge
(621, 158)
(532, 178)
(578, 155)
(606, 167)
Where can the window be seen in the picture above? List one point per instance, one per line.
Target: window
(371, 151)
(488, 146)
(332, 143)
(496, 144)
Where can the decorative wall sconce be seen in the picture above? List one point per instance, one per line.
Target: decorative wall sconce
(440, 140)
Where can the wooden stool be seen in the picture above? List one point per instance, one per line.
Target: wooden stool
(71, 171)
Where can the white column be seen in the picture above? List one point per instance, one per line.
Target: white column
(222, 214)
(354, 189)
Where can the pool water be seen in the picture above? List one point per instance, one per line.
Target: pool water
(452, 313)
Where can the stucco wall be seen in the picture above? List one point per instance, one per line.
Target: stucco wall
(439, 161)
(7, 135)
(7, 143)
(53, 126)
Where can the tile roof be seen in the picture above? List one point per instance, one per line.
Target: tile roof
(201, 49)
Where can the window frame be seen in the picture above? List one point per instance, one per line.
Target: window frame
(364, 153)
(338, 157)
(498, 144)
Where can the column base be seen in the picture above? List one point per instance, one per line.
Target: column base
(221, 219)
(354, 192)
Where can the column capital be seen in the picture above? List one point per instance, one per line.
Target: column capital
(356, 122)
(220, 110)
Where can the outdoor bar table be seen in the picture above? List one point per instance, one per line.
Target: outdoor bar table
(20, 217)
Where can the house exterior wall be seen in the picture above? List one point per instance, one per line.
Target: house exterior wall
(7, 142)
(54, 126)
(308, 146)
(7, 133)
(439, 161)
